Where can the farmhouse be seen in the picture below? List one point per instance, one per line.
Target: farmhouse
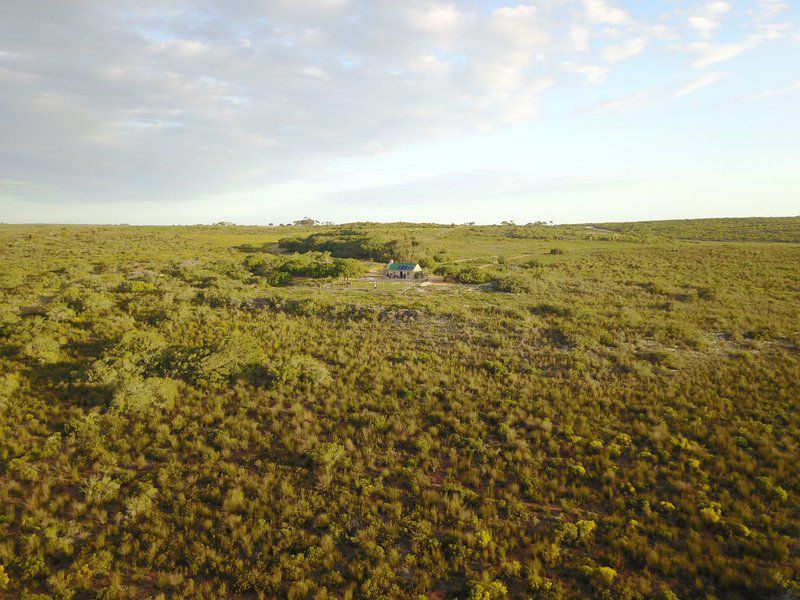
(403, 270)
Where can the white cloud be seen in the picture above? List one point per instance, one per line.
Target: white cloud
(708, 54)
(579, 36)
(773, 92)
(700, 83)
(769, 9)
(656, 95)
(594, 74)
(630, 103)
(625, 50)
(517, 26)
(442, 21)
(605, 12)
(706, 18)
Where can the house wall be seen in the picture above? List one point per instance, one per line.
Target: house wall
(409, 274)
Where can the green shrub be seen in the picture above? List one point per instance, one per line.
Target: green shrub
(586, 529)
(513, 284)
(134, 395)
(8, 385)
(137, 287)
(141, 504)
(600, 576)
(137, 354)
(234, 499)
(711, 514)
(487, 591)
(303, 368)
(327, 456)
(99, 490)
(483, 538)
(495, 368)
(230, 358)
(278, 278)
(43, 349)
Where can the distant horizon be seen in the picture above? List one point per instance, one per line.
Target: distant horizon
(506, 223)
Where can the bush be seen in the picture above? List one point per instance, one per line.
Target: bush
(483, 538)
(230, 358)
(99, 490)
(141, 504)
(279, 270)
(8, 385)
(137, 354)
(304, 368)
(513, 284)
(495, 368)
(586, 529)
(135, 395)
(605, 575)
(327, 456)
(353, 244)
(710, 514)
(43, 349)
(137, 287)
(8, 323)
(278, 279)
(428, 263)
(600, 576)
(234, 500)
(487, 591)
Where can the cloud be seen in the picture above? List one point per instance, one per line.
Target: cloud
(772, 92)
(440, 21)
(768, 9)
(708, 54)
(625, 50)
(604, 12)
(656, 95)
(699, 83)
(706, 18)
(162, 100)
(181, 97)
(630, 103)
(594, 74)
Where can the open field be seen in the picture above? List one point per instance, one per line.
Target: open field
(589, 411)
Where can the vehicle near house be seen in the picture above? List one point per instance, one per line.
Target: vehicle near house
(403, 270)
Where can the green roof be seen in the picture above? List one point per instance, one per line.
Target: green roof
(401, 266)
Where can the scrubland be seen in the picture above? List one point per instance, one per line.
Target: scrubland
(594, 411)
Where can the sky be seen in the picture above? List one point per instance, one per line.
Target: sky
(257, 112)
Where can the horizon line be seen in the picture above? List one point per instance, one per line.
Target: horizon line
(509, 223)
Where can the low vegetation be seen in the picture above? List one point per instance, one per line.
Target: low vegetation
(580, 412)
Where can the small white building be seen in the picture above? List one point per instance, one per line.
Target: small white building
(403, 270)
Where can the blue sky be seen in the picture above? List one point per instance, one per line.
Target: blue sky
(257, 112)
